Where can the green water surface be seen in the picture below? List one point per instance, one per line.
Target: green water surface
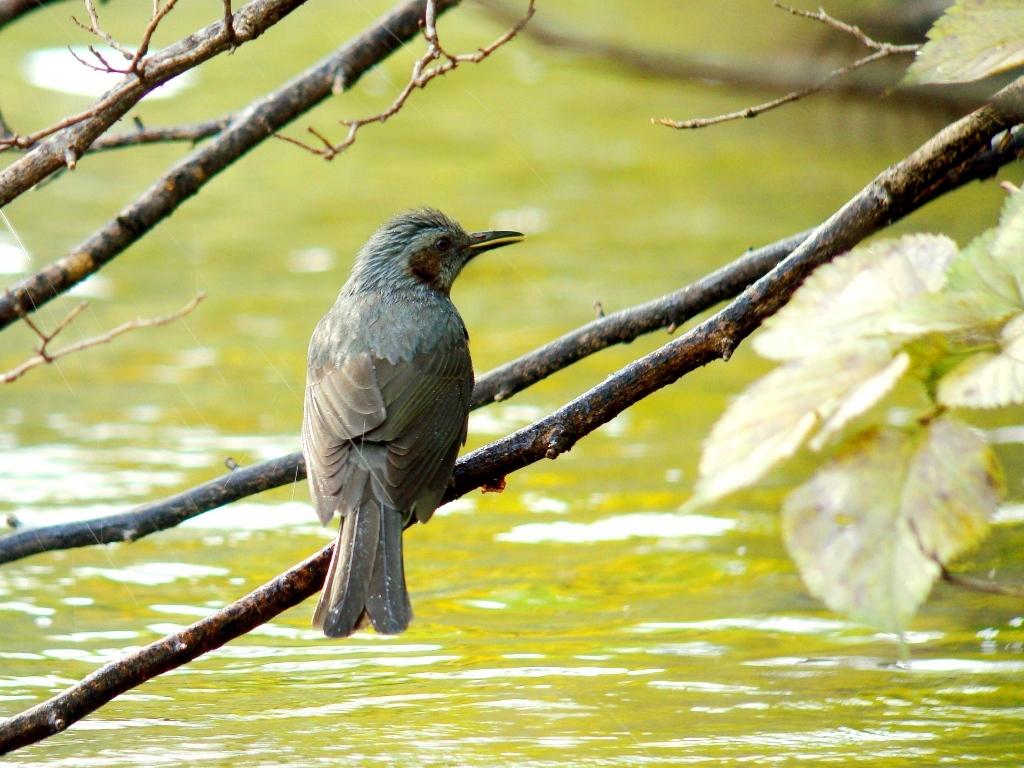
(576, 618)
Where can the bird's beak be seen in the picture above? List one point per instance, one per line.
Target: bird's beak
(486, 241)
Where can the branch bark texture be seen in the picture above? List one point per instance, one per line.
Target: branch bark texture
(255, 123)
(287, 590)
(67, 145)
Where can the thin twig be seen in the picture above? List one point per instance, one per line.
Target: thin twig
(67, 140)
(46, 338)
(419, 79)
(189, 132)
(850, 29)
(789, 74)
(890, 196)
(18, 141)
(159, 12)
(229, 24)
(44, 356)
(134, 57)
(193, 133)
(981, 585)
(94, 28)
(256, 122)
(881, 51)
(106, 65)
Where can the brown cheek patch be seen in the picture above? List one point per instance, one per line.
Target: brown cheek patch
(426, 267)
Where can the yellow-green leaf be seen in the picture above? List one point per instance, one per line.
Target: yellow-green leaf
(1006, 241)
(972, 40)
(871, 530)
(987, 379)
(980, 290)
(860, 398)
(774, 416)
(952, 490)
(856, 296)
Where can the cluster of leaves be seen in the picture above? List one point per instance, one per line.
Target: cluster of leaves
(890, 503)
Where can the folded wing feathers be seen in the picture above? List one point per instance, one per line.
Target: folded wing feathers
(387, 599)
(364, 434)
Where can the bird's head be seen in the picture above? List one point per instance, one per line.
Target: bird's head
(423, 247)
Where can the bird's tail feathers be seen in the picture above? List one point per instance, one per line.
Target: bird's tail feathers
(348, 579)
(366, 577)
(387, 601)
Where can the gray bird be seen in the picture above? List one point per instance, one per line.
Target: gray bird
(388, 387)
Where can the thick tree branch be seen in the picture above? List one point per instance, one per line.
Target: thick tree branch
(893, 193)
(73, 136)
(254, 124)
(14, 9)
(278, 595)
(499, 384)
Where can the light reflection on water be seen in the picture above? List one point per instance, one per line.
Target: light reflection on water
(560, 669)
(578, 618)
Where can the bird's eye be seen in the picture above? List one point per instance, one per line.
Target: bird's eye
(442, 243)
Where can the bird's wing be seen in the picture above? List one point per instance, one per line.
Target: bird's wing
(427, 399)
(415, 410)
(342, 403)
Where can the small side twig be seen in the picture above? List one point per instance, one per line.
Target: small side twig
(229, 25)
(191, 133)
(44, 356)
(421, 75)
(94, 28)
(11, 140)
(881, 51)
(135, 58)
(981, 585)
(5, 129)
